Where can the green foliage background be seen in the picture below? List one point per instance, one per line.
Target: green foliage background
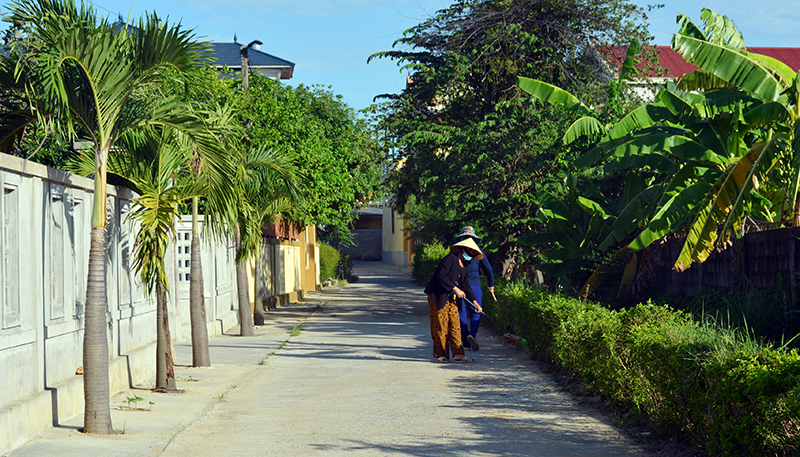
(473, 150)
(335, 150)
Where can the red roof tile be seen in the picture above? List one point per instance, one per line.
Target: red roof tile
(676, 66)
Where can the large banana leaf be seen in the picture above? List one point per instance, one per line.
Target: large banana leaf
(553, 95)
(671, 216)
(721, 30)
(628, 220)
(678, 102)
(768, 113)
(631, 153)
(628, 69)
(551, 206)
(641, 118)
(730, 66)
(586, 126)
(786, 73)
(688, 28)
(609, 147)
(719, 101)
(713, 211)
(701, 80)
(765, 159)
(702, 234)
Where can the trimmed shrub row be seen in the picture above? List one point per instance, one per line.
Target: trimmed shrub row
(328, 260)
(426, 259)
(714, 387)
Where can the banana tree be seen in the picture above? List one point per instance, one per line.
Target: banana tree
(574, 227)
(96, 81)
(763, 138)
(717, 153)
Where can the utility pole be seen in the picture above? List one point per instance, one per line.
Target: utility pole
(255, 45)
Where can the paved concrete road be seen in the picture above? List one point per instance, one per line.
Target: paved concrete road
(358, 379)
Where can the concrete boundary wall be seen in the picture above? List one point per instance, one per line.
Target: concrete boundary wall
(45, 223)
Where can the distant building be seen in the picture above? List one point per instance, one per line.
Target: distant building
(229, 55)
(367, 235)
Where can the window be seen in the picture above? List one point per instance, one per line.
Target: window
(56, 255)
(10, 255)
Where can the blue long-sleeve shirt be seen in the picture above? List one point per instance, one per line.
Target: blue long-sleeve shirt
(476, 267)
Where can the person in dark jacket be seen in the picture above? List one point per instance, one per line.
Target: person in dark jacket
(470, 319)
(450, 282)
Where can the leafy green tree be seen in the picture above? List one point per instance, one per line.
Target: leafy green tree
(95, 81)
(336, 151)
(468, 143)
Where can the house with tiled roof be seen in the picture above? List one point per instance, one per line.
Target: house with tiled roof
(229, 55)
(672, 64)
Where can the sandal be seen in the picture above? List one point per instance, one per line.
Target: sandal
(464, 360)
(473, 343)
(442, 359)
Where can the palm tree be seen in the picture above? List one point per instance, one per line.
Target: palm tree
(97, 82)
(212, 170)
(268, 184)
(269, 188)
(155, 167)
(156, 180)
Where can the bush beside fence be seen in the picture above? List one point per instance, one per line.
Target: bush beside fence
(426, 259)
(328, 260)
(711, 386)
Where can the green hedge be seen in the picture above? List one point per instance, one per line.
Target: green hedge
(426, 258)
(328, 260)
(711, 386)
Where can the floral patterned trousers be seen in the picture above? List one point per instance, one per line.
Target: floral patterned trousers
(445, 329)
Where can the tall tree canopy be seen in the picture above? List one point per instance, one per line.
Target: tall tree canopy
(334, 150)
(473, 150)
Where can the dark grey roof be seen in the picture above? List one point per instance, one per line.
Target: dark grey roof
(370, 211)
(227, 54)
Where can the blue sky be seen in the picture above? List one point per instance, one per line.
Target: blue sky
(330, 40)
(762, 22)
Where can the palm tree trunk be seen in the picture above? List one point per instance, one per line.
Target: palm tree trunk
(245, 316)
(97, 402)
(165, 367)
(97, 407)
(258, 309)
(197, 308)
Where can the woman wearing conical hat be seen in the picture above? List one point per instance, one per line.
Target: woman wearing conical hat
(450, 282)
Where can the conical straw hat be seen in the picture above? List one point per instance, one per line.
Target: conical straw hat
(469, 243)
